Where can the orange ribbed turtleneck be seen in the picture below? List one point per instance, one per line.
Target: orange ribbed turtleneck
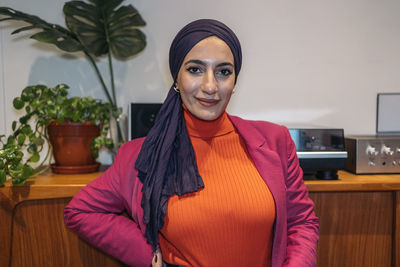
(229, 222)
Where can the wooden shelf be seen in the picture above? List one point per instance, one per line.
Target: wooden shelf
(352, 182)
(50, 185)
(47, 186)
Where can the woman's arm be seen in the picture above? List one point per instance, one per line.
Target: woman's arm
(95, 214)
(302, 223)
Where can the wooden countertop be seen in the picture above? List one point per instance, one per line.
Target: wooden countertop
(352, 182)
(46, 186)
(50, 185)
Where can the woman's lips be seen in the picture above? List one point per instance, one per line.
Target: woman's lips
(207, 102)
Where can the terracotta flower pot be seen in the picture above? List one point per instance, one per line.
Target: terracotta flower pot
(71, 146)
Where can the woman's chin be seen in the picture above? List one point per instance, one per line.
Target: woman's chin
(208, 116)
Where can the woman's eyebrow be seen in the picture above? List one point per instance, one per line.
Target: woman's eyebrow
(197, 61)
(225, 64)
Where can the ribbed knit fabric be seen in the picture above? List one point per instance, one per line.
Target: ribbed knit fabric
(230, 221)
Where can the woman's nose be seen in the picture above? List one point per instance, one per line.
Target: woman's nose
(209, 83)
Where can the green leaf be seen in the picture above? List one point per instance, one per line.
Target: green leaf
(16, 170)
(109, 143)
(10, 157)
(102, 29)
(14, 125)
(48, 33)
(25, 119)
(38, 141)
(35, 157)
(25, 96)
(26, 129)
(47, 36)
(27, 171)
(21, 139)
(62, 89)
(32, 148)
(76, 116)
(35, 103)
(52, 112)
(19, 155)
(3, 176)
(95, 153)
(18, 181)
(18, 103)
(10, 140)
(59, 100)
(10, 148)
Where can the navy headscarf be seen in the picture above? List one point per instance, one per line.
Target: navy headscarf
(166, 162)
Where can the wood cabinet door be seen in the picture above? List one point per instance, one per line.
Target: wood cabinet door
(356, 228)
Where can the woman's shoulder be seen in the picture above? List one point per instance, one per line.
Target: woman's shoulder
(130, 150)
(259, 125)
(276, 136)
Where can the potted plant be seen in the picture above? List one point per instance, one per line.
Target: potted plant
(96, 28)
(52, 118)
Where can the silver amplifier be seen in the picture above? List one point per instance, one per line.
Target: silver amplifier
(373, 154)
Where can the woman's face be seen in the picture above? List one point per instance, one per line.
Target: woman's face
(206, 78)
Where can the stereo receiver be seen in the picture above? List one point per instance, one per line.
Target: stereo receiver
(373, 154)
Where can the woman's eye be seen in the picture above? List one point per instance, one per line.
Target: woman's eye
(226, 72)
(193, 70)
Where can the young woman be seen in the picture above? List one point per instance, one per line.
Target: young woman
(203, 188)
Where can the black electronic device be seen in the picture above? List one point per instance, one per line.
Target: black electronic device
(141, 118)
(321, 151)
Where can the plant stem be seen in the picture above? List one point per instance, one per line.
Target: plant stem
(114, 103)
(112, 78)
(100, 78)
(41, 171)
(49, 151)
(119, 131)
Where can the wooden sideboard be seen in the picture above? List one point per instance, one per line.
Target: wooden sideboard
(359, 222)
(32, 229)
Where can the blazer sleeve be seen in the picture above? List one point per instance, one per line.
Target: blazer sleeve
(94, 214)
(302, 223)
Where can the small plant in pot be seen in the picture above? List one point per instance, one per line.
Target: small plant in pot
(74, 128)
(95, 28)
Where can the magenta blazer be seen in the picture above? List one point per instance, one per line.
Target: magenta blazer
(94, 212)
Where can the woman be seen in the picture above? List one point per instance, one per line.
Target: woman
(203, 188)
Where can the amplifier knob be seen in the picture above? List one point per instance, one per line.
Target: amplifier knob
(394, 163)
(398, 150)
(387, 150)
(371, 151)
(371, 163)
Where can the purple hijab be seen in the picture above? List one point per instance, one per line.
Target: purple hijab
(166, 162)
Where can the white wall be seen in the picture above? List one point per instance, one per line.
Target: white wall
(304, 62)
(2, 91)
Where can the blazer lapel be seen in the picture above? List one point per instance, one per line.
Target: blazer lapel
(267, 161)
